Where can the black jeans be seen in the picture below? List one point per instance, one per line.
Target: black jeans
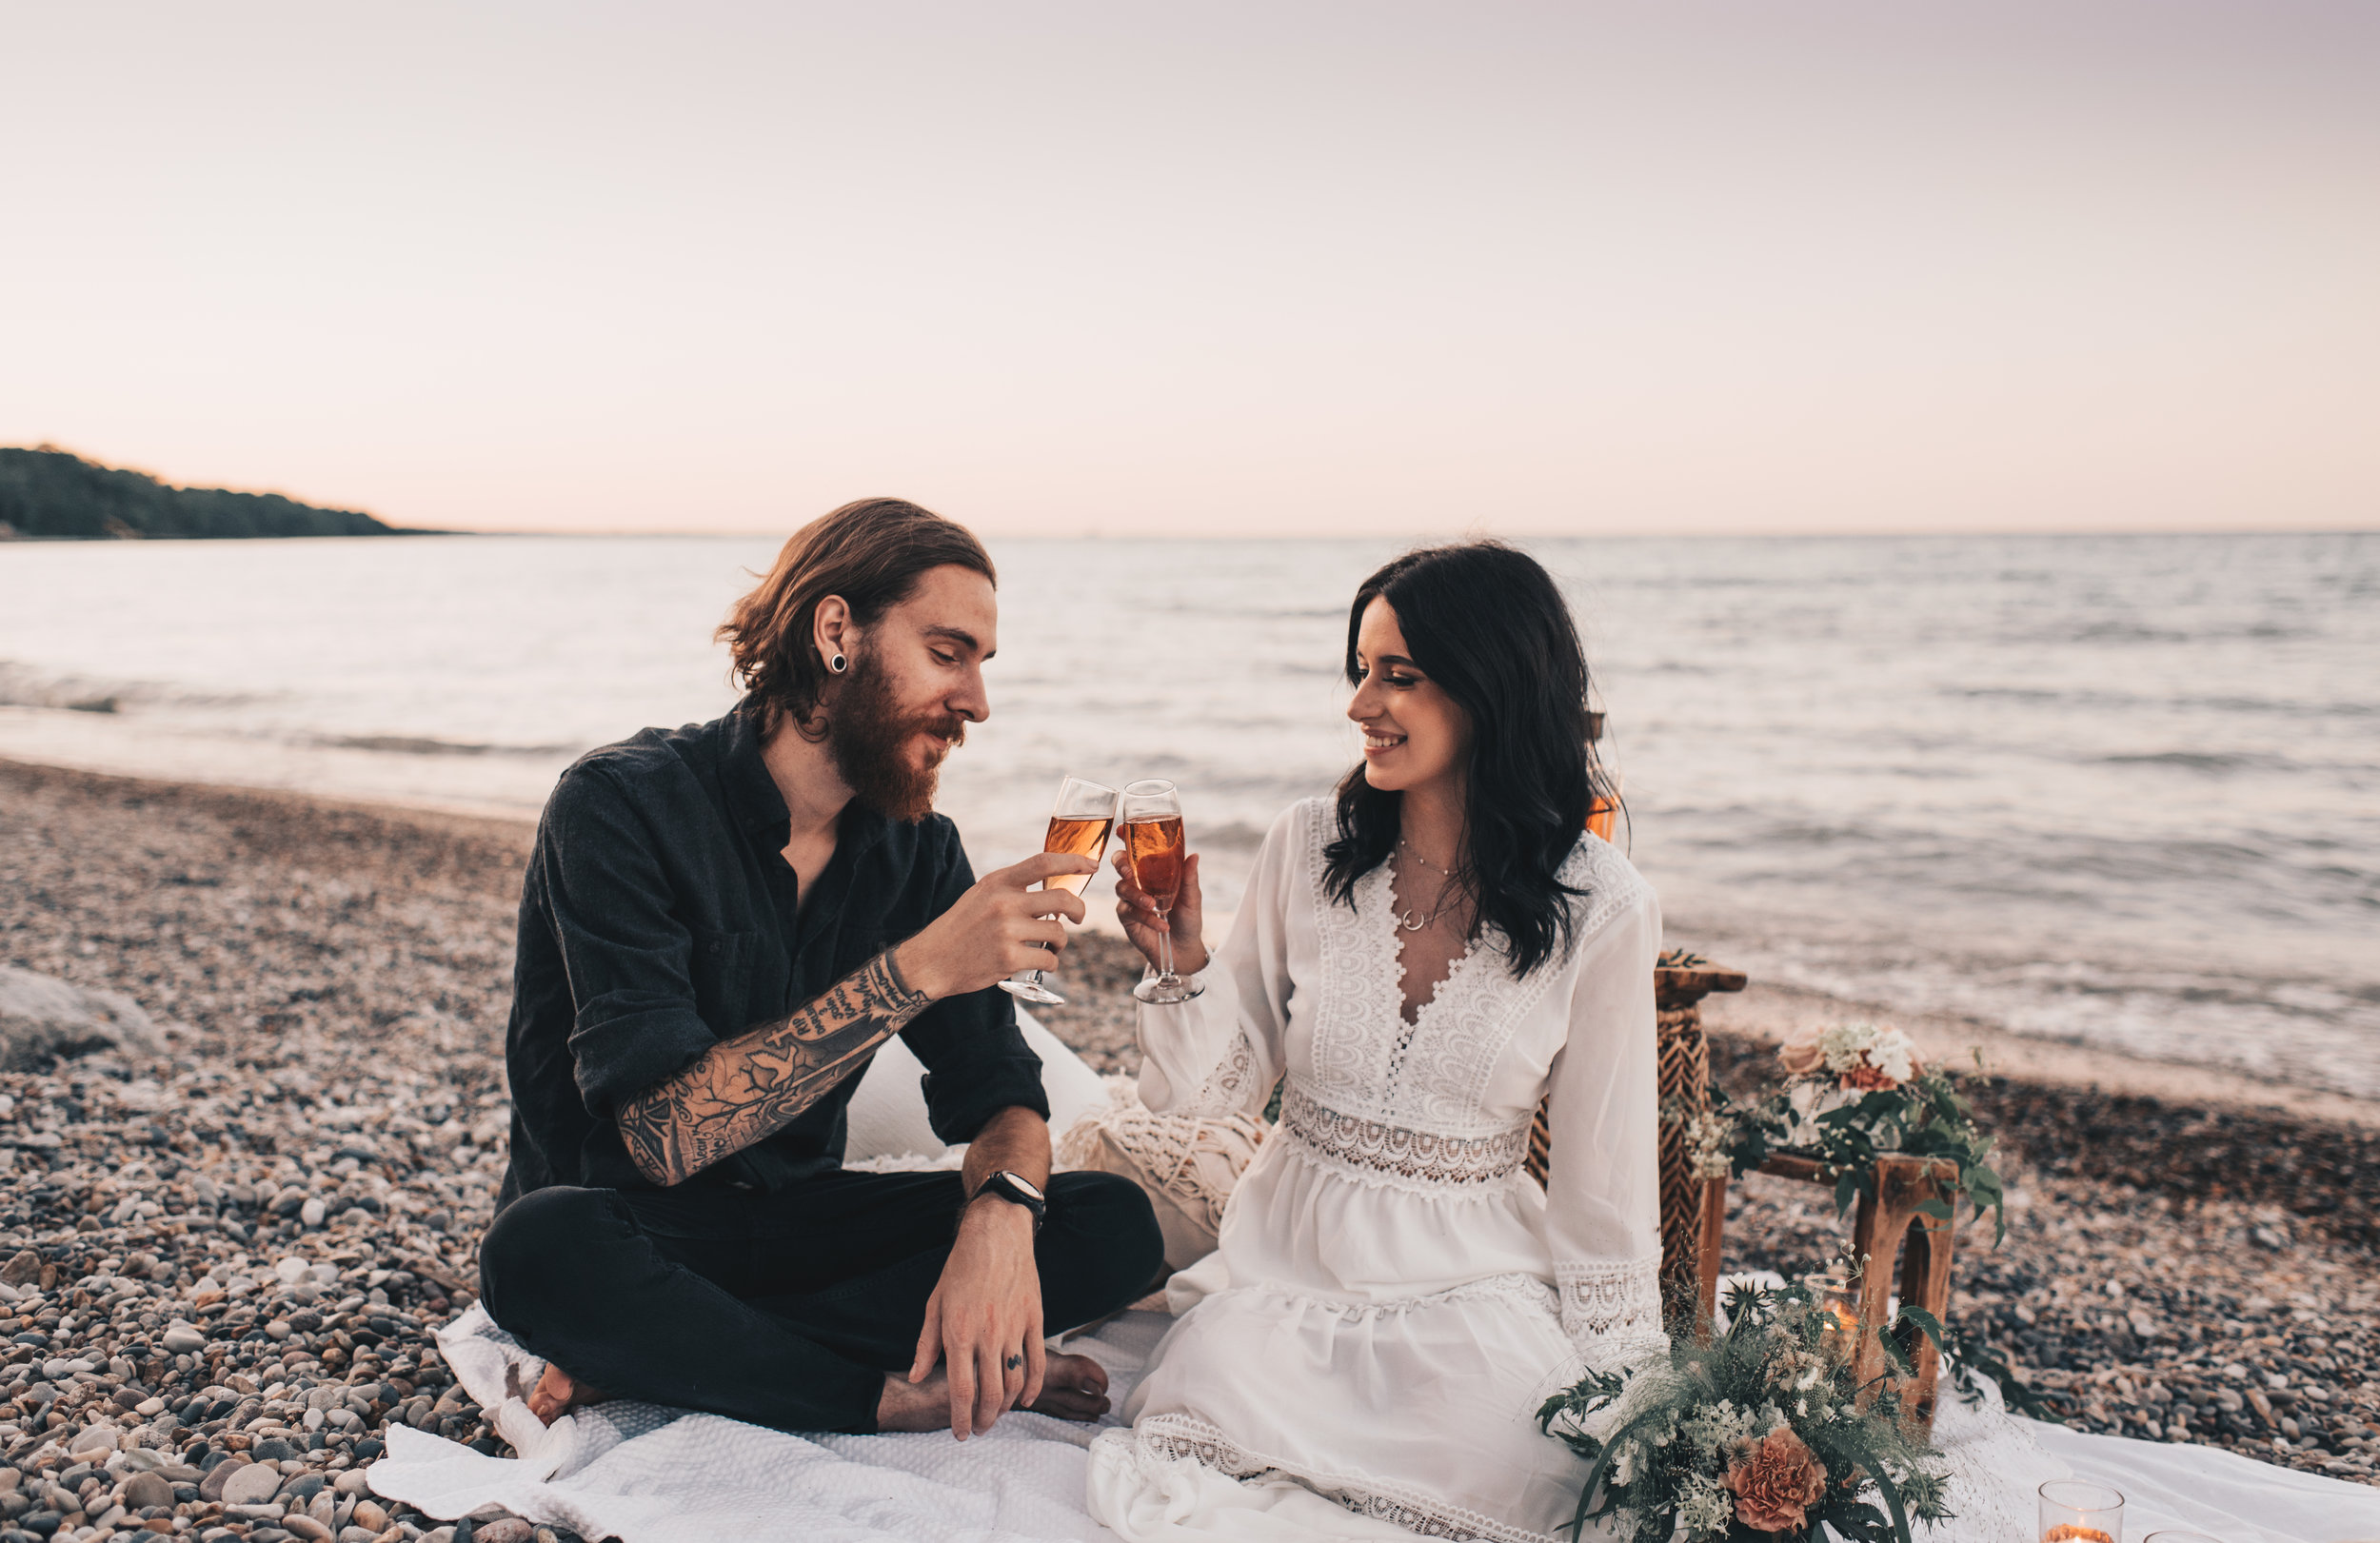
(782, 1308)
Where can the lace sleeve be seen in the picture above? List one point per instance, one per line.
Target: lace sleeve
(1229, 1088)
(1603, 1200)
(1221, 1052)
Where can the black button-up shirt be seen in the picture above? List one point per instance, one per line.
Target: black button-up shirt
(659, 918)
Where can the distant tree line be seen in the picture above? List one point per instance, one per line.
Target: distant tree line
(48, 492)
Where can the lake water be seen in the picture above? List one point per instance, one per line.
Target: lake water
(2121, 790)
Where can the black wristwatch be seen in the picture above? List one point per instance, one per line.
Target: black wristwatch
(1018, 1190)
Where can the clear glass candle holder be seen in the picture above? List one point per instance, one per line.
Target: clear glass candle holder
(1837, 1293)
(2074, 1511)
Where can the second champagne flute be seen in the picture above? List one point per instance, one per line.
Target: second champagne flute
(1154, 848)
(1079, 823)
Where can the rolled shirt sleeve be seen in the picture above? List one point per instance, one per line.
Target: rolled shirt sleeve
(977, 1063)
(627, 955)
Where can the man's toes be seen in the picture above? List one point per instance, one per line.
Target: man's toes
(557, 1392)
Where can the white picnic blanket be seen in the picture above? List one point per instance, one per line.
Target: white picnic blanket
(651, 1474)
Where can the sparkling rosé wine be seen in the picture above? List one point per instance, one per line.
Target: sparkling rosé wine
(1154, 848)
(1082, 838)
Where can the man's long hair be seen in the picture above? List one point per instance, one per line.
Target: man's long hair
(872, 553)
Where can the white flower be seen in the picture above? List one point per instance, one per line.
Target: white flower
(1704, 1509)
(1843, 1044)
(1895, 1055)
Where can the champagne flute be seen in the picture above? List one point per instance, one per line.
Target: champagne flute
(1079, 823)
(1154, 849)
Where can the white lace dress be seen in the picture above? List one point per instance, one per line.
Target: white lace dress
(1391, 1295)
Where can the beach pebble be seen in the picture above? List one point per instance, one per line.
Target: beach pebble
(252, 1484)
(145, 1490)
(503, 1530)
(369, 1514)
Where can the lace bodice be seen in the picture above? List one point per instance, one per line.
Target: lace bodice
(1434, 1073)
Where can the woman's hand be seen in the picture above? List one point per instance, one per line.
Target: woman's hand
(1142, 923)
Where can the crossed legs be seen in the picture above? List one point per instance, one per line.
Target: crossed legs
(786, 1309)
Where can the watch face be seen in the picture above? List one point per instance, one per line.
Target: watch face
(1026, 1184)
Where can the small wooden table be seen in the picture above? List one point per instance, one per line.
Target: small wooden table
(1882, 1222)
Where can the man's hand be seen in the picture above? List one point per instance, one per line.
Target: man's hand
(985, 1313)
(999, 926)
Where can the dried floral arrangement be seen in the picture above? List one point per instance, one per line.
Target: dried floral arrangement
(1758, 1433)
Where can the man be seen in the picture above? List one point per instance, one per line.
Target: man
(719, 927)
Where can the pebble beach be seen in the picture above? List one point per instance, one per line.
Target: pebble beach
(224, 1256)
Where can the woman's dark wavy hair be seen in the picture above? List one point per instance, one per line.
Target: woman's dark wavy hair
(1488, 625)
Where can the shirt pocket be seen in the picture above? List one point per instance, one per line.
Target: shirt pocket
(721, 965)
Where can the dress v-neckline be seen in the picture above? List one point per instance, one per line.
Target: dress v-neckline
(1397, 934)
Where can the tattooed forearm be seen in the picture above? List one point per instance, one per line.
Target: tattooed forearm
(751, 1087)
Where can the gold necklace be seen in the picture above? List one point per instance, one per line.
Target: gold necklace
(1405, 919)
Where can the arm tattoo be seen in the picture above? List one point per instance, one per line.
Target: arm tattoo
(746, 1089)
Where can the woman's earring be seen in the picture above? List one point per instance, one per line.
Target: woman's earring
(838, 664)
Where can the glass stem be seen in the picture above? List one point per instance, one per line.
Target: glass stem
(1165, 947)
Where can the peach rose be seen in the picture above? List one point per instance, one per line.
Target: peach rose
(1773, 1480)
(1801, 1056)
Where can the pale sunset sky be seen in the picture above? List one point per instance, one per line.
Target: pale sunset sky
(1210, 269)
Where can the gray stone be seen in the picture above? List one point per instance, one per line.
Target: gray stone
(23, 1267)
(182, 1339)
(252, 1484)
(210, 1487)
(145, 1490)
(311, 1211)
(42, 1016)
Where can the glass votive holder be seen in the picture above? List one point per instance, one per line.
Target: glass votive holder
(1837, 1293)
(2075, 1510)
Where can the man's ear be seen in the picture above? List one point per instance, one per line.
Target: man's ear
(833, 632)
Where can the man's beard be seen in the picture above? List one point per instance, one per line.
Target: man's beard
(868, 738)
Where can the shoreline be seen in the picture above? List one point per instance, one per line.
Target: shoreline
(332, 978)
(1766, 1011)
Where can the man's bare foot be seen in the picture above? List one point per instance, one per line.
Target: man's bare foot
(558, 1393)
(1073, 1388)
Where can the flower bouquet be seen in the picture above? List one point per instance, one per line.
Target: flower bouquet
(1853, 1092)
(1758, 1433)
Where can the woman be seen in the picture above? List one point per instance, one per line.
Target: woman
(1422, 959)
